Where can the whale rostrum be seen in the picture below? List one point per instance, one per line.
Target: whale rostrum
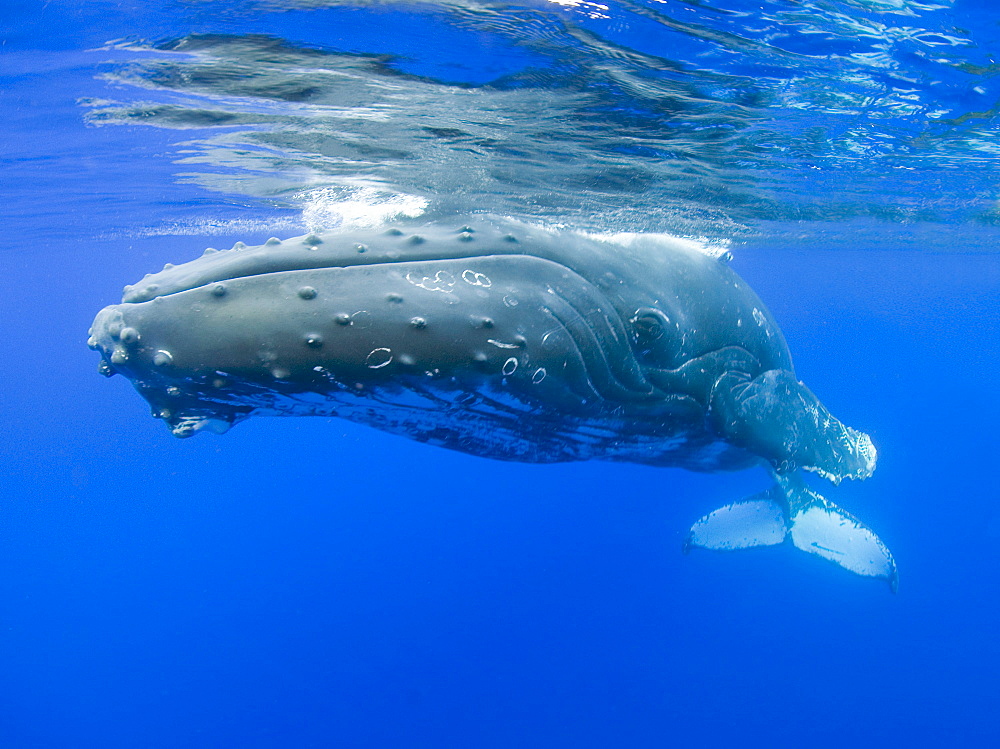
(509, 341)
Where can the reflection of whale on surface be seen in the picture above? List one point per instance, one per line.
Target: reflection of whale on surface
(510, 342)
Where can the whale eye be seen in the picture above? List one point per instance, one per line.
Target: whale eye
(650, 327)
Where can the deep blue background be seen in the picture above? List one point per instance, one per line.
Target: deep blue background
(309, 583)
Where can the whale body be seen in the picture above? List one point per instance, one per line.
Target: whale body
(508, 341)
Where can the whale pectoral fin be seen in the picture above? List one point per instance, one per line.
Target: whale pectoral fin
(820, 527)
(813, 523)
(775, 416)
(756, 521)
(833, 534)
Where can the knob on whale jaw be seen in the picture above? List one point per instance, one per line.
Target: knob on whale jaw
(175, 399)
(510, 342)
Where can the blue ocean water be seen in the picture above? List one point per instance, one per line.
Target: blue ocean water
(314, 583)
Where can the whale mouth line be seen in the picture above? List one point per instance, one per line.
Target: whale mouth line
(199, 274)
(336, 264)
(318, 252)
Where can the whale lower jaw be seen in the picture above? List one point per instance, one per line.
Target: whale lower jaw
(493, 424)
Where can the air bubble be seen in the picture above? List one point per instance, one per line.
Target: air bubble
(509, 366)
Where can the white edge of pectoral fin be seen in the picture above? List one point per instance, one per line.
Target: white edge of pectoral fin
(835, 535)
(741, 525)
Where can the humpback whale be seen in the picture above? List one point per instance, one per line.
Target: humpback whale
(509, 341)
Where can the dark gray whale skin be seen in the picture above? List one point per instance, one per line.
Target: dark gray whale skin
(494, 338)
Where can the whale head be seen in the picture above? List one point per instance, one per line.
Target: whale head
(360, 324)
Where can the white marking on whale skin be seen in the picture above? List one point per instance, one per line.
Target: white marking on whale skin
(378, 358)
(442, 281)
(328, 376)
(474, 278)
(551, 339)
(501, 344)
(759, 318)
(362, 319)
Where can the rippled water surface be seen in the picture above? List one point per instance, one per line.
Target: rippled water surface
(306, 582)
(737, 120)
